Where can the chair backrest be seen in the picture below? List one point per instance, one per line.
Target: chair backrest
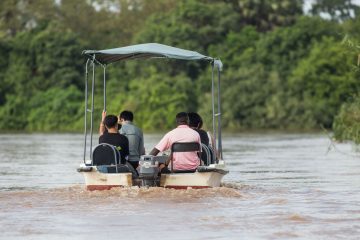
(183, 147)
(105, 154)
(186, 147)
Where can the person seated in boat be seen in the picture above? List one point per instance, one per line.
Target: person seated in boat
(113, 137)
(182, 133)
(134, 135)
(196, 122)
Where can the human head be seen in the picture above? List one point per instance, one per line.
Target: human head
(126, 116)
(195, 121)
(110, 121)
(182, 118)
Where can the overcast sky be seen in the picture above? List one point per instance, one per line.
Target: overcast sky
(307, 4)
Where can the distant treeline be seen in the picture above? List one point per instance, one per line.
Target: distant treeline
(283, 68)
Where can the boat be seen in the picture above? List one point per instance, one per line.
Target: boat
(100, 176)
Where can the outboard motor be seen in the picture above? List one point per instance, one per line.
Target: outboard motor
(148, 170)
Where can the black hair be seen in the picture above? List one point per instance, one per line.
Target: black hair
(110, 121)
(127, 115)
(182, 118)
(195, 121)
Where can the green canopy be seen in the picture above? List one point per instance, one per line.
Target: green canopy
(143, 51)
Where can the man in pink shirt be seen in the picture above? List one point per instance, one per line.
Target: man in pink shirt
(183, 133)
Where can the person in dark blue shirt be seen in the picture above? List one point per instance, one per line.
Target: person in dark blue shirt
(113, 137)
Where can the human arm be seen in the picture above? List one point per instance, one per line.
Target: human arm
(102, 125)
(154, 152)
(142, 148)
(163, 145)
(126, 148)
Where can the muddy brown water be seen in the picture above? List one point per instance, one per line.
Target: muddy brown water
(280, 186)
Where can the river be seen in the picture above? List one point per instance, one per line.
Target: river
(280, 186)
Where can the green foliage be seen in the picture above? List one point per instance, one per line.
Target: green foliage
(191, 25)
(56, 59)
(234, 45)
(323, 82)
(55, 110)
(4, 60)
(13, 113)
(267, 14)
(164, 99)
(282, 48)
(39, 60)
(282, 70)
(347, 122)
(258, 86)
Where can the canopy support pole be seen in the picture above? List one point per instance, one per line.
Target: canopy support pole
(104, 67)
(92, 107)
(86, 104)
(213, 103)
(219, 117)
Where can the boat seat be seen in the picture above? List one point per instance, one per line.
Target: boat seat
(183, 147)
(107, 159)
(105, 154)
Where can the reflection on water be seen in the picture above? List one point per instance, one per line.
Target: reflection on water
(280, 186)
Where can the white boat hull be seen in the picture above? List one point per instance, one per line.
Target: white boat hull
(193, 180)
(95, 180)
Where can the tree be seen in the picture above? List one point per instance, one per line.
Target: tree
(322, 82)
(23, 15)
(256, 84)
(4, 61)
(282, 48)
(57, 109)
(265, 15)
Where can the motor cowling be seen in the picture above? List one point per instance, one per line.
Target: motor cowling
(148, 170)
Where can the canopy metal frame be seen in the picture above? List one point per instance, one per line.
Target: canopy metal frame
(93, 60)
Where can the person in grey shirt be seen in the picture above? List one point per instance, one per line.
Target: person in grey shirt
(135, 136)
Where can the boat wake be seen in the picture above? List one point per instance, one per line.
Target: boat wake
(79, 192)
(165, 193)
